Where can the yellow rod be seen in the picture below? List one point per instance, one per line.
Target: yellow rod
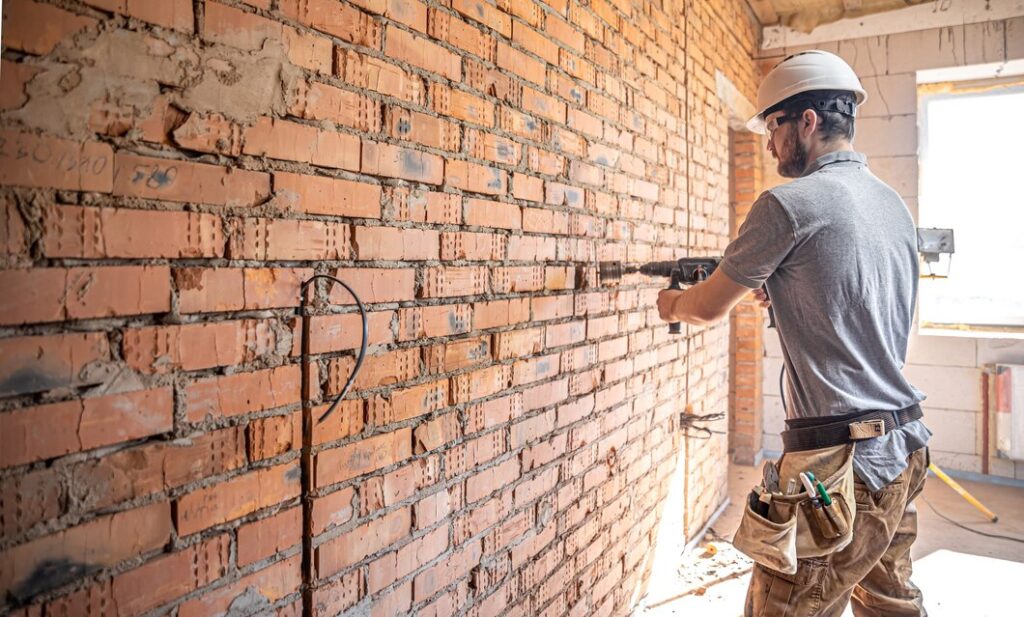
(963, 492)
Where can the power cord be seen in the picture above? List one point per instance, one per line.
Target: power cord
(362, 347)
(970, 529)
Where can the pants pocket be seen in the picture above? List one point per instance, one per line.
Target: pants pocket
(778, 594)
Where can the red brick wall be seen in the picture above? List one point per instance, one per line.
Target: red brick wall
(171, 171)
(748, 318)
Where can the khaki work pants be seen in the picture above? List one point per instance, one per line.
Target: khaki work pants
(873, 570)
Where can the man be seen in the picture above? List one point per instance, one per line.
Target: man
(836, 250)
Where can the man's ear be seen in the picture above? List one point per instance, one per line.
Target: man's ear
(808, 122)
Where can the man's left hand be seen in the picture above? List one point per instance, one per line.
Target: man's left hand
(666, 302)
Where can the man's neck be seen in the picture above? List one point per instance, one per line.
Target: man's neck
(820, 148)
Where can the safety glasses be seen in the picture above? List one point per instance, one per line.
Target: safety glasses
(774, 123)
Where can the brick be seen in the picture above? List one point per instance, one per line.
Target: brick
(432, 509)
(28, 433)
(87, 232)
(534, 41)
(408, 403)
(173, 14)
(521, 64)
(422, 206)
(448, 281)
(374, 285)
(332, 510)
(493, 214)
(37, 28)
(420, 52)
(352, 547)
(500, 313)
(323, 195)
(476, 178)
(336, 18)
(211, 133)
(53, 294)
(461, 105)
(369, 73)
(259, 540)
(421, 128)
(409, 12)
(457, 355)
(545, 394)
(340, 332)
(167, 578)
(242, 393)
(472, 246)
(181, 181)
(396, 162)
(521, 278)
(160, 349)
(288, 240)
(389, 368)
(308, 50)
(12, 89)
(481, 383)
(39, 363)
(339, 595)
(47, 162)
(152, 467)
(465, 36)
(518, 343)
(291, 141)
(237, 497)
(29, 498)
(272, 583)
(433, 321)
(230, 26)
(102, 542)
(436, 433)
(317, 101)
(396, 565)
(484, 483)
(346, 420)
(483, 145)
(371, 454)
(399, 244)
(525, 9)
(274, 435)
(486, 14)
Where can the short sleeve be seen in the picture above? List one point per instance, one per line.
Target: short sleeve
(763, 241)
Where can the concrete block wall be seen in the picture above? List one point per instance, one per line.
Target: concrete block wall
(947, 369)
(172, 171)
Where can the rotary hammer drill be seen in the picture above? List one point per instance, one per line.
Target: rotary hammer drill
(685, 271)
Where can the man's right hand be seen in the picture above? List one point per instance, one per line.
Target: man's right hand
(762, 297)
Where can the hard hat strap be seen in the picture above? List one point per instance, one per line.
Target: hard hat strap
(839, 102)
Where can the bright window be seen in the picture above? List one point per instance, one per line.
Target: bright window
(972, 180)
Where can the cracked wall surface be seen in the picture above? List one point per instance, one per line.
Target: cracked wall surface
(171, 172)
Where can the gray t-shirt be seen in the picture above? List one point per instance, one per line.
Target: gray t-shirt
(837, 251)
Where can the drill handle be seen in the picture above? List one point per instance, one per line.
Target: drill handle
(675, 327)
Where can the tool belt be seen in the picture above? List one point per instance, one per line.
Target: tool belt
(792, 526)
(813, 433)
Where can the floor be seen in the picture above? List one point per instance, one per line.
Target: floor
(961, 573)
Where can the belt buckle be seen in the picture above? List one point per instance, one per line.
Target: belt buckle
(867, 429)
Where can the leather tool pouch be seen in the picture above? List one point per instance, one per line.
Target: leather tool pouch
(794, 528)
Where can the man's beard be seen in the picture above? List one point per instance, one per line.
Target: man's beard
(794, 166)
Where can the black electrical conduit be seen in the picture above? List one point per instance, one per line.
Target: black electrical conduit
(362, 346)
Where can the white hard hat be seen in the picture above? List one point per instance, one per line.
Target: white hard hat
(804, 72)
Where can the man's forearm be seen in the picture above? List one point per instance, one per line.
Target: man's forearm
(692, 307)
